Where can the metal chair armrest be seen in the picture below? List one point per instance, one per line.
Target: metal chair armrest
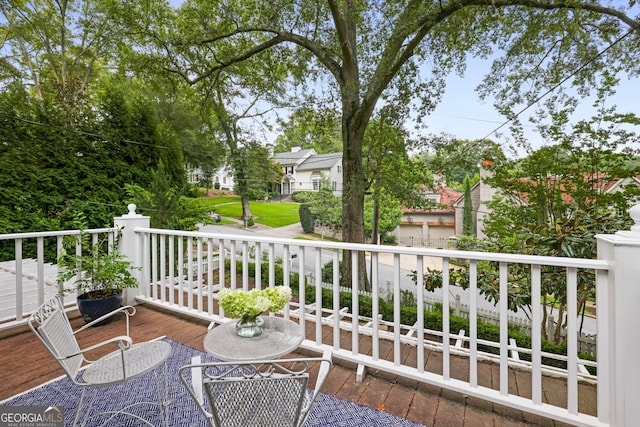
(128, 310)
(123, 342)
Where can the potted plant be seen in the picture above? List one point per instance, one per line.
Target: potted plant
(247, 306)
(98, 276)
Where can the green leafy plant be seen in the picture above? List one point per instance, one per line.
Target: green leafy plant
(101, 272)
(240, 303)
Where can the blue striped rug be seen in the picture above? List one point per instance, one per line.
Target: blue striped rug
(327, 411)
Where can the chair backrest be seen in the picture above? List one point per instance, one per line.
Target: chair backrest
(256, 401)
(52, 327)
(271, 393)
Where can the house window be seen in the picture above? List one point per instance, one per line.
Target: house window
(334, 185)
(339, 169)
(316, 184)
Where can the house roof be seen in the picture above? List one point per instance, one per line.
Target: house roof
(600, 182)
(445, 204)
(292, 157)
(320, 161)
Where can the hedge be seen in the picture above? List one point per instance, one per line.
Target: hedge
(409, 315)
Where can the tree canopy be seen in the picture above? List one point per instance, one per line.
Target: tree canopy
(400, 53)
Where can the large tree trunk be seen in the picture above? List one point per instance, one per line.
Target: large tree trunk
(246, 208)
(353, 196)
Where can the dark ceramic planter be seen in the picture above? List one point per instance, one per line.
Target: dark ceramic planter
(92, 309)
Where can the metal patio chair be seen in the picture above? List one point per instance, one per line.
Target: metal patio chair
(261, 393)
(51, 325)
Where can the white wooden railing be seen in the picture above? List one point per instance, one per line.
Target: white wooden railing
(29, 276)
(162, 255)
(189, 293)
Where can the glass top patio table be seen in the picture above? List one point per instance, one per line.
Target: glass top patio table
(280, 336)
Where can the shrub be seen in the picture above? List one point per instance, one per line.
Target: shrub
(409, 316)
(327, 272)
(302, 196)
(307, 219)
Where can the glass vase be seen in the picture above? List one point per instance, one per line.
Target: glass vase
(249, 326)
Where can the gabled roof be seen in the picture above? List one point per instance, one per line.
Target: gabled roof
(292, 157)
(320, 161)
(445, 204)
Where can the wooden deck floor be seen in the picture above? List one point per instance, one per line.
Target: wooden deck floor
(26, 364)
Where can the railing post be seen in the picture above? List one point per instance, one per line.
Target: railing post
(617, 297)
(130, 247)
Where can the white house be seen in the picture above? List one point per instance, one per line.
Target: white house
(303, 170)
(222, 176)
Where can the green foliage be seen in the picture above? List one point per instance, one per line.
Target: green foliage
(388, 239)
(389, 214)
(326, 208)
(392, 178)
(255, 173)
(327, 272)
(317, 129)
(469, 243)
(51, 169)
(467, 213)
(554, 203)
(169, 207)
(101, 272)
(307, 219)
(456, 159)
(302, 196)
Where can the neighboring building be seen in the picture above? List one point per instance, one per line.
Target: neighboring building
(303, 170)
(289, 162)
(222, 175)
(429, 227)
(309, 173)
(482, 193)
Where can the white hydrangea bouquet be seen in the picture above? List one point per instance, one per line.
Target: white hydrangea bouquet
(247, 305)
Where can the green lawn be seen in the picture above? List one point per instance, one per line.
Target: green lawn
(272, 214)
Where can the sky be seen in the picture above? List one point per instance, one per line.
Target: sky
(463, 115)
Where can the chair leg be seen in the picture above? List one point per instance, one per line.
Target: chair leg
(162, 390)
(84, 414)
(161, 378)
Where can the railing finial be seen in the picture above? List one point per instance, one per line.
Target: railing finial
(132, 209)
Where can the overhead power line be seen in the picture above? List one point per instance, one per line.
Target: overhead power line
(572, 74)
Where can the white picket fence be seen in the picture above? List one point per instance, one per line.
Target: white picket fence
(587, 343)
